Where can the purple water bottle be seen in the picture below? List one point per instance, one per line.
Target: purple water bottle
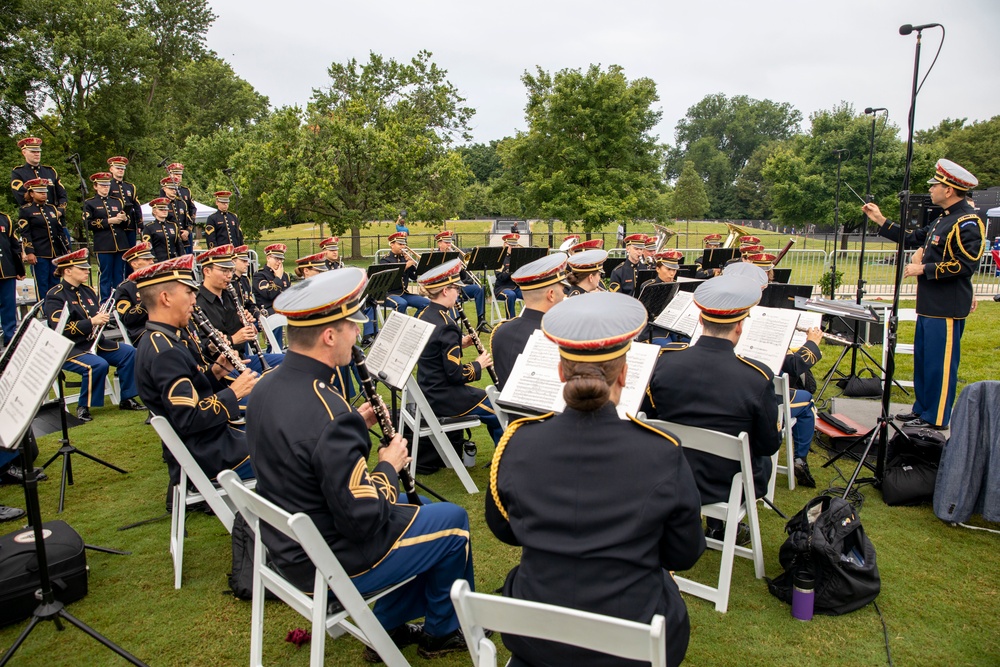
(803, 596)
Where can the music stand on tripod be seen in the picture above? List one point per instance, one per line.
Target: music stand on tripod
(655, 297)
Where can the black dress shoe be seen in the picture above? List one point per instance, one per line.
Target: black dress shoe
(920, 423)
(435, 647)
(130, 404)
(83, 414)
(10, 513)
(802, 475)
(484, 327)
(402, 636)
(907, 416)
(996, 297)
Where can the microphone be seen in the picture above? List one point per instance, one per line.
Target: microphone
(72, 158)
(907, 29)
(841, 151)
(163, 162)
(869, 110)
(227, 171)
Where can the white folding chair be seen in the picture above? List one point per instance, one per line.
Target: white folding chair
(496, 312)
(905, 315)
(417, 414)
(121, 328)
(493, 394)
(606, 634)
(328, 617)
(184, 498)
(785, 422)
(741, 504)
(268, 323)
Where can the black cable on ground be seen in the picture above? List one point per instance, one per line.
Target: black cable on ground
(885, 633)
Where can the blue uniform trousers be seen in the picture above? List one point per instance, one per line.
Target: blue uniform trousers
(45, 276)
(8, 308)
(510, 297)
(93, 371)
(112, 272)
(436, 550)
(805, 422)
(477, 294)
(403, 301)
(489, 418)
(936, 353)
(255, 365)
(130, 235)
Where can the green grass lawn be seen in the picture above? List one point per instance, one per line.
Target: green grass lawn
(940, 585)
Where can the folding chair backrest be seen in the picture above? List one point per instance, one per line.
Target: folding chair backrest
(121, 327)
(783, 393)
(193, 471)
(269, 323)
(606, 634)
(493, 394)
(253, 507)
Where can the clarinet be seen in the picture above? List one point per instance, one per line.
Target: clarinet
(384, 420)
(475, 340)
(248, 321)
(217, 339)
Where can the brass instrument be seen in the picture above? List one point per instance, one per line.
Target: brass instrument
(735, 232)
(663, 234)
(411, 254)
(95, 335)
(464, 257)
(217, 339)
(569, 243)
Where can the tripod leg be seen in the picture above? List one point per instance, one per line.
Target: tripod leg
(830, 374)
(101, 638)
(107, 550)
(873, 436)
(101, 461)
(20, 640)
(49, 462)
(146, 521)
(431, 491)
(62, 483)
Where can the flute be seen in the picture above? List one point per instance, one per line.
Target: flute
(384, 420)
(217, 339)
(829, 336)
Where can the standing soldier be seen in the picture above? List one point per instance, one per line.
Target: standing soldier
(163, 234)
(176, 170)
(11, 270)
(223, 227)
(31, 149)
(106, 218)
(42, 234)
(126, 192)
(177, 212)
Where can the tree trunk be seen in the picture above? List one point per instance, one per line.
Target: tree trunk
(355, 242)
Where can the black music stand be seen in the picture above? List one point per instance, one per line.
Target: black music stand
(716, 258)
(485, 258)
(382, 279)
(777, 295)
(782, 275)
(687, 271)
(655, 297)
(612, 263)
(519, 256)
(429, 260)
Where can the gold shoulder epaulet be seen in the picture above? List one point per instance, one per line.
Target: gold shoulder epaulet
(329, 397)
(502, 445)
(763, 371)
(662, 433)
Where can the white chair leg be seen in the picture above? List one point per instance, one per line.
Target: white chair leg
(177, 520)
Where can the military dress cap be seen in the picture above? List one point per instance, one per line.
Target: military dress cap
(726, 299)
(220, 256)
(223, 196)
(179, 269)
(511, 239)
(542, 273)
(588, 261)
(79, 257)
(444, 235)
(594, 327)
(101, 178)
(242, 252)
(575, 238)
(635, 239)
(751, 249)
(276, 250)
(764, 260)
(175, 168)
(31, 143)
(37, 184)
(398, 237)
(142, 250)
(592, 244)
(953, 175)
(328, 297)
(650, 243)
(668, 258)
(161, 203)
(330, 243)
(749, 240)
(441, 275)
(747, 271)
(169, 182)
(118, 161)
(317, 262)
(712, 239)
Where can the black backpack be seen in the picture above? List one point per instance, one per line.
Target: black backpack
(826, 540)
(241, 578)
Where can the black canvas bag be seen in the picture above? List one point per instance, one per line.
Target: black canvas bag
(19, 579)
(241, 576)
(827, 541)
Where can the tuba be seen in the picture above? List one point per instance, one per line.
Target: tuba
(663, 234)
(735, 232)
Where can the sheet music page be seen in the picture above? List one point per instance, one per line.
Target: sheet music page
(678, 310)
(641, 359)
(397, 348)
(27, 379)
(766, 335)
(806, 321)
(534, 379)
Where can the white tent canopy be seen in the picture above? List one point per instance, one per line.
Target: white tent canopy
(204, 210)
(993, 212)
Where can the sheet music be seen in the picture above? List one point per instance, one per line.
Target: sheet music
(680, 315)
(534, 381)
(806, 321)
(766, 335)
(397, 348)
(26, 380)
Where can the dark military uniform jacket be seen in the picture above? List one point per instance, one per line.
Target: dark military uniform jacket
(574, 290)
(245, 293)
(707, 385)
(440, 372)
(623, 278)
(133, 209)
(408, 275)
(222, 228)
(178, 213)
(187, 201)
(334, 265)
(503, 277)
(310, 452)
(20, 175)
(130, 311)
(953, 246)
(108, 237)
(509, 338)
(42, 234)
(267, 286)
(798, 364)
(11, 265)
(83, 304)
(598, 525)
(175, 382)
(165, 238)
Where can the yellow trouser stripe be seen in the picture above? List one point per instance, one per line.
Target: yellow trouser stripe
(949, 339)
(430, 537)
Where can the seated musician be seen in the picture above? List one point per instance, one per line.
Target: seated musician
(543, 285)
(648, 251)
(331, 249)
(667, 264)
(241, 280)
(624, 276)
(177, 382)
(592, 244)
(585, 270)
(603, 508)
(271, 279)
(311, 265)
(218, 304)
(400, 298)
(505, 288)
(713, 242)
(472, 290)
(84, 319)
(721, 390)
(765, 261)
(445, 381)
(130, 311)
(311, 450)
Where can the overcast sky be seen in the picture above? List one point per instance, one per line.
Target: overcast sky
(810, 54)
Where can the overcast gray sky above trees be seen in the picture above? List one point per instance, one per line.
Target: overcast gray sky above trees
(810, 54)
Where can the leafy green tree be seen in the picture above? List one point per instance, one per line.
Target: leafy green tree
(977, 148)
(690, 200)
(588, 156)
(482, 160)
(943, 130)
